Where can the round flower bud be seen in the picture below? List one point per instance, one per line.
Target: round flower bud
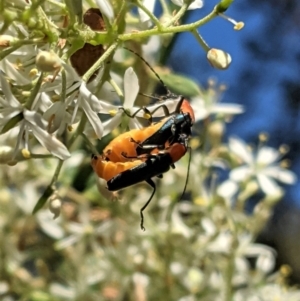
(216, 132)
(6, 153)
(55, 206)
(6, 40)
(218, 58)
(48, 61)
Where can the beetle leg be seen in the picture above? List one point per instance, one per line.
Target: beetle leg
(146, 111)
(144, 156)
(152, 184)
(147, 146)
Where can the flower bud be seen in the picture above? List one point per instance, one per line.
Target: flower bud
(6, 153)
(6, 40)
(216, 132)
(48, 61)
(55, 206)
(218, 58)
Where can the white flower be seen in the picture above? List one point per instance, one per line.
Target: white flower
(264, 255)
(56, 115)
(29, 122)
(106, 9)
(74, 232)
(209, 104)
(131, 89)
(91, 105)
(261, 166)
(194, 5)
(85, 100)
(149, 4)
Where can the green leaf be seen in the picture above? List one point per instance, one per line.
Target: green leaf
(43, 199)
(180, 84)
(12, 123)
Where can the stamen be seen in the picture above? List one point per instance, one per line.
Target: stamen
(237, 25)
(33, 72)
(147, 116)
(113, 112)
(284, 149)
(263, 137)
(26, 153)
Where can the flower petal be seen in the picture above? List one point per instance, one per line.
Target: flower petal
(194, 5)
(13, 73)
(267, 155)
(106, 9)
(227, 189)
(112, 123)
(266, 261)
(227, 108)
(134, 124)
(53, 145)
(240, 174)
(267, 185)
(57, 111)
(34, 119)
(66, 242)
(37, 125)
(240, 148)
(131, 88)
(92, 117)
(90, 98)
(9, 100)
(150, 6)
(281, 174)
(106, 107)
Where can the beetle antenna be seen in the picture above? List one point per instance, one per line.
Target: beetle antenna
(150, 96)
(151, 68)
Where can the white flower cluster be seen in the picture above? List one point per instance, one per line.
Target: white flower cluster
(58, 103)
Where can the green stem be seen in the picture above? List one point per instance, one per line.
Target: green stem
(165, 7)
(17, 44)
(116, 87)
(64, 85)
(164, 30)
(89, 143)
(79, 130)
(97, 65)
(180, 13)
(149, 14)
(36, 156)
(229, 270)
(58, 4)
(34, 92)
(57, 171)
(201, 41)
